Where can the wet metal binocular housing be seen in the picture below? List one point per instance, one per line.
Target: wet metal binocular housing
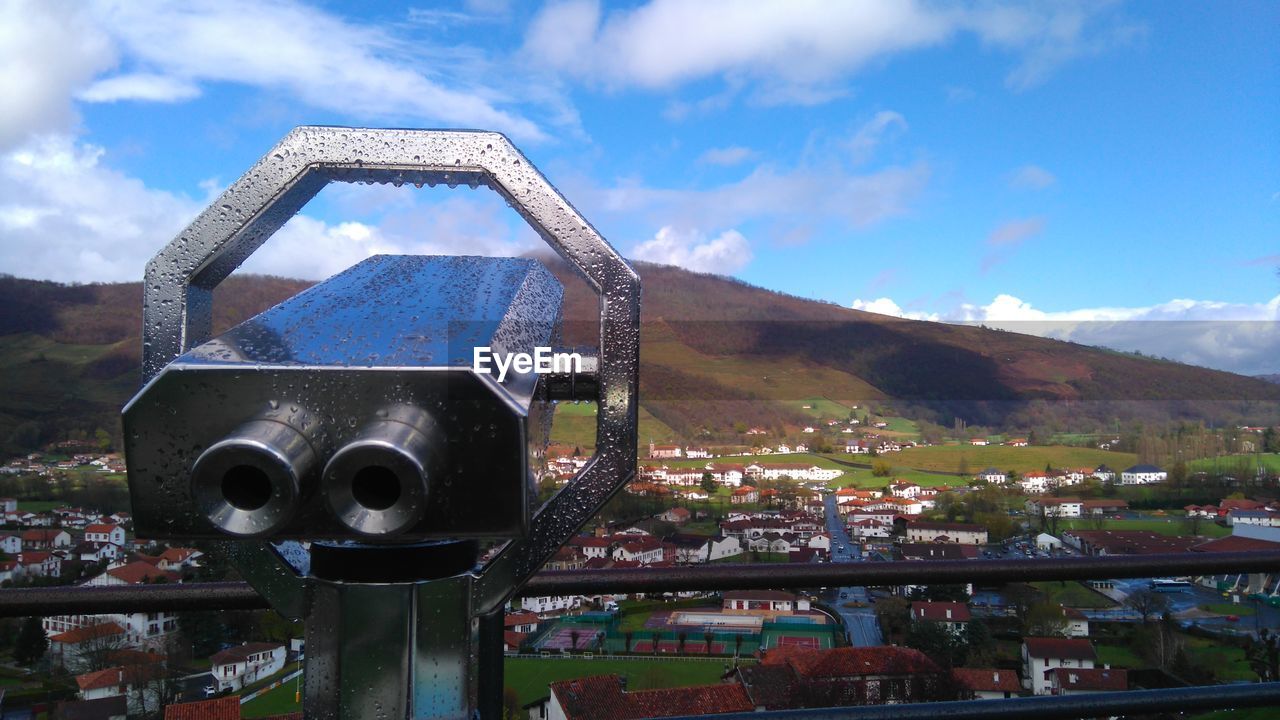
(393, 414)
(355, 410)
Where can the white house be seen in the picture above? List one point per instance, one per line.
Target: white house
(10, 544)
(904, 489)
(988, 683)
(545, 604)
(993, 476)
(1056, 507)
(236, 667)
(962, 533)
(1047, 653)
(644, 550)
(104, 533)
(1143, 475)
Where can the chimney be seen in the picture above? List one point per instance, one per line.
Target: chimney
(948, 613)
(995, 676)
(1106, 666)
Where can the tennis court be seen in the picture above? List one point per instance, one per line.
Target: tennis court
(561, 637)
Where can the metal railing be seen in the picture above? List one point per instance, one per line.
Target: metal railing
(240, 596)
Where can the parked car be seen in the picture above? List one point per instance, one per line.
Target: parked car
(210, 691)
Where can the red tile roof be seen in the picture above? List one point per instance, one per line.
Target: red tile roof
(1085, 679)
(223, 708)
(90, 632)
(937, 611)
(603, 698)
(760, 595)
(1074, 648)
(100, 528)
(987, 680)
(1234, 543)
(139, 571)
(851, 661)
(960, 527)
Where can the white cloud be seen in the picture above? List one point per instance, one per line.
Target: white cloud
(724, 254)
(886, 306)
(65, 215)
(140, 86)
(1015, 231)
(317, 57)
(873, 132)
(1032, 177)
(797, 50)
(54, 51)
(48, 50)
(1238, 337)
(797, 195)
(727, 155)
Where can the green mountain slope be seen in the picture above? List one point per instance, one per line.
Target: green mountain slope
(716, 353)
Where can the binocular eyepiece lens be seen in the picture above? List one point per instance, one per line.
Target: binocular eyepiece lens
(376, 484)
(248, 483)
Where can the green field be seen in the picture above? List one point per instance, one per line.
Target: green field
(864, 479)
(275, 702)
(39, 506)
(1073, 594)
(820, 407)
(1163, 526)
(1119, 657)
(530, 676)
(1229, 463)
(948, 458)
(574, 425)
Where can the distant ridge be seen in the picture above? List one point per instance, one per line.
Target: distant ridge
(716, 353)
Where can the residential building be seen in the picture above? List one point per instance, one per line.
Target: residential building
(1039, 655)
(919, 531)
(769, 603)
(951, 615)
(236, 667)
(1143, 475)
(993, 476)
(1071, 681)
(606, 696)
(793, 678)
(104, 533)
(988, 683)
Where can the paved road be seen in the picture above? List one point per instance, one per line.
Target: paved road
(860, 623)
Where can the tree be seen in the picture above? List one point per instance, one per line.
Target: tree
(940, 644)
(880, 468)
(626, 640)
(1263, 655)
(1044, 619)
(31, 642)
(977, 636)
(894, 614)
(1147, 602)
(708, 483)
(681, 637)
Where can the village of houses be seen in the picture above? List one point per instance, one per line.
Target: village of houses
(785, 649)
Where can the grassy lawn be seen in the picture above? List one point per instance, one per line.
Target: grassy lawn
(947, 457)
(530, 676)
(1073, 594)
(575, 425)
(1228, 463)
(746, 557)
(1118, 656)
(820, 407)
(1163, 526)
(821, 461)
(1227, 661)
(275, 702)
(864, 479)
(39, 506)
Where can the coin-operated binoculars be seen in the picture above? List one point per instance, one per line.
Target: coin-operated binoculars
(354, 444)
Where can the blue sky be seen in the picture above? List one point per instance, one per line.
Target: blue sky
(1069, 169)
